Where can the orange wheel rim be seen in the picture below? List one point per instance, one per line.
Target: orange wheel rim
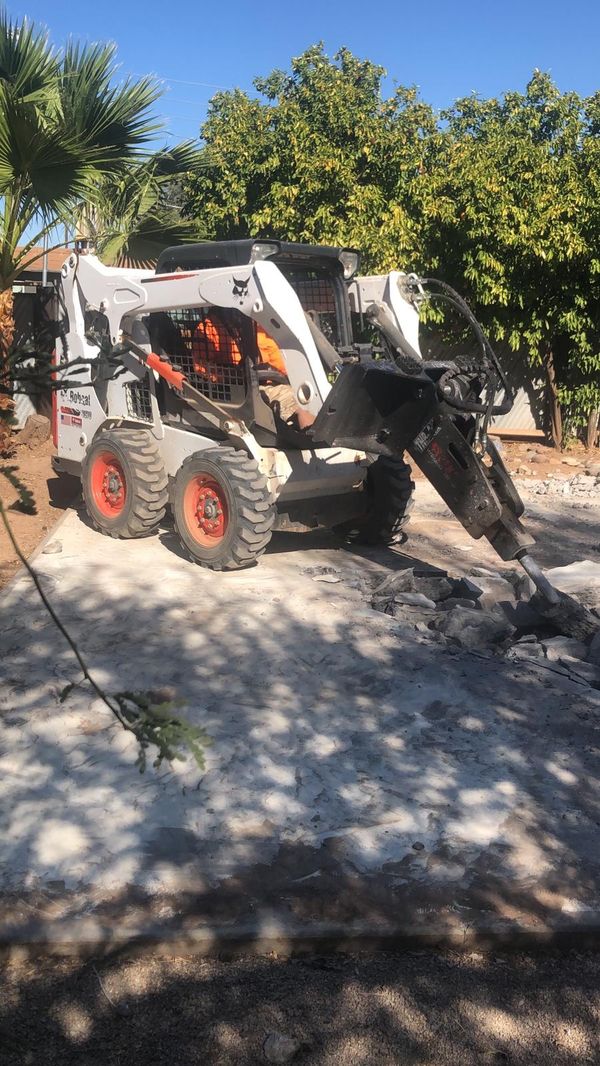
(205, 510)
(107, 482)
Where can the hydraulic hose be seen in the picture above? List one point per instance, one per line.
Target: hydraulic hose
(454, 299)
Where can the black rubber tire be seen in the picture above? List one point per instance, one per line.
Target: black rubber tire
(146, 483)
(390, 491)
(251, 511)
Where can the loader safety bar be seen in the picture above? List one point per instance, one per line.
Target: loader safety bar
(379, 315)
(174, 378)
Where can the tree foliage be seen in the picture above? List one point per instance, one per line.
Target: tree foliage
(62, 124)
(72, 134)
(499, 197)
(513, 224)
(320, 157)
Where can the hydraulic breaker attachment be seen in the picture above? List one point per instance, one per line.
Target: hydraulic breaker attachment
(377, 407)
(482, 497)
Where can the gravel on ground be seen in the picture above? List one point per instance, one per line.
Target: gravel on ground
(420, 1009)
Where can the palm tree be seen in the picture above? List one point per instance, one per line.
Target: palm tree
(68, 133)
(133, 214)
(62, 122)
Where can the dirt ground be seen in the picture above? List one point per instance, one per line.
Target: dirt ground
(534, 459)
(420, 1009)
(53, 494)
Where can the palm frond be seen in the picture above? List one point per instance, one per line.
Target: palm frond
(28, 64)
(75, 139)
(44, 161)
(184, 158)
(141, 243)
(112, 123)
(127, 213)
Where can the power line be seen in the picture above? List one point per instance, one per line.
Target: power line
(179, 81)
(203, 84)
(178, 100)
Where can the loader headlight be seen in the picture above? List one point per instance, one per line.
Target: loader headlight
(263, 250)
(349, 261)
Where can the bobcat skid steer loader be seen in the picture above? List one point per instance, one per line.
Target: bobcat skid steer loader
(176, 404)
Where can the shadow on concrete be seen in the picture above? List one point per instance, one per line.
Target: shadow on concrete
(358, 779)
(364, 784)
(64, 491)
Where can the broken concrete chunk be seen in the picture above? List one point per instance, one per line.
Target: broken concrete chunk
(593, 469)
(280, 1048)
(488, 591)
(435, 586)
(575, 575)
(483, 571)
(474, 629)
(466, 589)
(414, 599)
(557, 647)
(568, 616)
(582, 671)
(521, 651)
(522, 615)
(523, 586)
(399, 581)
(458, 601)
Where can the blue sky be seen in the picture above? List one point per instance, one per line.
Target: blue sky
(447, 49)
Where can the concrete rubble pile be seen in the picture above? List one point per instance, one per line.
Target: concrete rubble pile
(497, 614)
(581, 486)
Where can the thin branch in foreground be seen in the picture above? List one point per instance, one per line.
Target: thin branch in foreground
(150, 722)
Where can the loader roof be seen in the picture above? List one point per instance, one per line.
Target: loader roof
(210, 254)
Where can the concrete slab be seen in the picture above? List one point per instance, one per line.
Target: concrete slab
(362, 781)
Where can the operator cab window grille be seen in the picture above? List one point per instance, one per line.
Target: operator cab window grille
(317, 292)
(210, 346)
(139, 403)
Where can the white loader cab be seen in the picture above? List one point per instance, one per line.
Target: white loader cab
(200, 386)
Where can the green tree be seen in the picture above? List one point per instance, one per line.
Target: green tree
(320, 156)
(70, 134)
(62, 122)
(513, 219)
(500, 197)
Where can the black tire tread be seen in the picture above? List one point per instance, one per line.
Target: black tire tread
(391, 505)
(151, 485)
(255, 511)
